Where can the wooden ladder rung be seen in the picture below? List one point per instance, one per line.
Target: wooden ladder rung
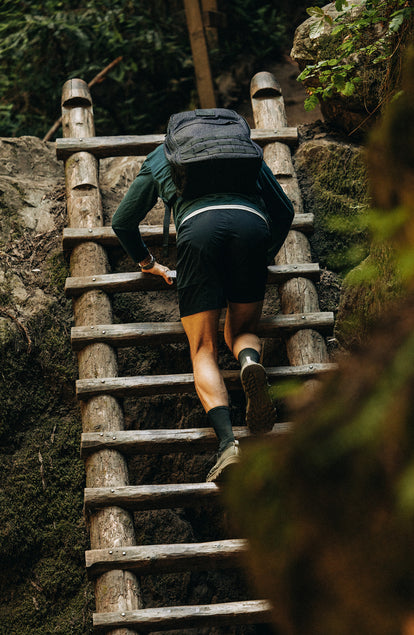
(151, 234)
(149, 385)
(137, 281)
(181, 617)
(143, 497)
(140, 145)
(144, 333)
(138, 442)
(171, 558)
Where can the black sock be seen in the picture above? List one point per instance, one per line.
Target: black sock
(219, 418)
(248, 352)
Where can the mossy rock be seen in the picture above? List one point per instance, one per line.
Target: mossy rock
(388, 272)
(366, 290)
(42, 536)
(333, 180)
(352, 114)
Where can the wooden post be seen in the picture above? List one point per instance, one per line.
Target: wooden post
(201, 61)
(298, 295)
(112, 527)
(210, 13)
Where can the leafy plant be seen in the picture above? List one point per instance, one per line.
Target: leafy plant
(371, 37)
(43, 43)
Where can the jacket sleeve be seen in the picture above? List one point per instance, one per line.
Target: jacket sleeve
(137, 202)
(279, 209)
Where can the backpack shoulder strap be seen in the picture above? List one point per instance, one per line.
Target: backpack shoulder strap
(161, 171)
(166, 229)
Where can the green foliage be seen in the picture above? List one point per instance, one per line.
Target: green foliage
(251, 30)
(371, 37)
(45, 43)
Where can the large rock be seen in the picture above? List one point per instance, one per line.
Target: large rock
(29, 171)
(32, 211)
(345, 113)
(333, 181)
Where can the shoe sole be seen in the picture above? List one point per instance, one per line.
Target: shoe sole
(214, 474)
(260, 411)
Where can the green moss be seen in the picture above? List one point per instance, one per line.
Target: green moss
(334, 186)
(57, 271)
(5, 294)
(43, 586)
(367, 289)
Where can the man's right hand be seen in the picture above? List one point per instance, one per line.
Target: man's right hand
(159, 270)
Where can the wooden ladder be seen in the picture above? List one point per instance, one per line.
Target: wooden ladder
(114, 560)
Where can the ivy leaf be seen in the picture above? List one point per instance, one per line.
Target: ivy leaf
(311, 102)
(348, 89)
(339, 82)
(315, 11)
(339, 4)
(338, 29)
(396, 22)
(316, 29)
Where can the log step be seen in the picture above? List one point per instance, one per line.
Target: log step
(171, 558)
(140, 145)
(105, 236)
(151, 234)
(144, 497)
(157, 333)
(137, 281)
(149, 385)
(139, 442)
(181, 617)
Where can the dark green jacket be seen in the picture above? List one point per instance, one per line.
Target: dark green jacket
(154, 180)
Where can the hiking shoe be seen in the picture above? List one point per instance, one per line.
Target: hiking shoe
(228, 457)
(260, 411)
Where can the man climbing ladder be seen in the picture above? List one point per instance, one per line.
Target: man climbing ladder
(232, 217)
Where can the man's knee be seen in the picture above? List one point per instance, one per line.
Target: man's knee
(204, 350)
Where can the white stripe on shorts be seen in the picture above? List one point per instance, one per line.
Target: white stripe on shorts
(210, 207)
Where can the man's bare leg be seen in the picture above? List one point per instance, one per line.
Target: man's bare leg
(240, 334)
(240, 329)
(201, 330)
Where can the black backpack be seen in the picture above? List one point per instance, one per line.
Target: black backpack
(211, 151)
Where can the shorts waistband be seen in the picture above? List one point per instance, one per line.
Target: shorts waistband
(210, 207)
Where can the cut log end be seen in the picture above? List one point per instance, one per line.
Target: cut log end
(265, 84)
(76, 93)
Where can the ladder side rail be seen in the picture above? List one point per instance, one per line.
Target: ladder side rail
(298, 295)
(115, 590)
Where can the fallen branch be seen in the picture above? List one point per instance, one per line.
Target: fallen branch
(20, 325)
(96, 80)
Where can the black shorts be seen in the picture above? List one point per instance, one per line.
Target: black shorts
(221, 257)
